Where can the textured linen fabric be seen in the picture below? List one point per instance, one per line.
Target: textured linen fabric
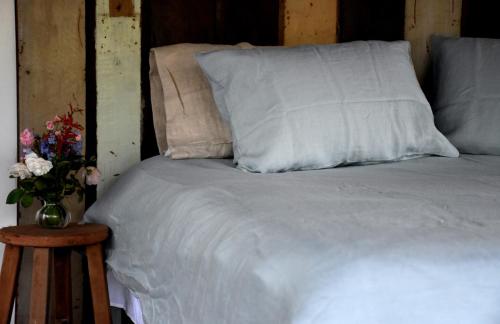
(199, 241)
(467, 92)
(186, 120)
(313, 107)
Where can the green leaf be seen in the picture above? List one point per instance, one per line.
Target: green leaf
(14, 196)
(26, 200)
(40, 185)
(27, 184)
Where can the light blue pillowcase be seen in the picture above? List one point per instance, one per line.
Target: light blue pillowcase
(313, 107)
(467, 92)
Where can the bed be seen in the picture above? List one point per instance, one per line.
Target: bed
(199, 241)
(346, 200)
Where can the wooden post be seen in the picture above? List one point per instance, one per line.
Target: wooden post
(427, 17)
(40, 285)
(98, 285)
(8, 281)
(62, 270)
(308, 22)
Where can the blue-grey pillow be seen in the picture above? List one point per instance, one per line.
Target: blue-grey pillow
(466, 96)
(313, 107)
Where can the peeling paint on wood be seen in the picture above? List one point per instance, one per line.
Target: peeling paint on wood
(424, 18)
(118, 66)
(309, 22)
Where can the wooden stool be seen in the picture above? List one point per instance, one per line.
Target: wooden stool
(60, 242)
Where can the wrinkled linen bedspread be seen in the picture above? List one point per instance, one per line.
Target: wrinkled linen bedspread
(199, 241)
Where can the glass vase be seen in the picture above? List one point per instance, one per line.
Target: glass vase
(53, 215)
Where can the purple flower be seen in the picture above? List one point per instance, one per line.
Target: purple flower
(26, 151)
(52, 139)
(77, 147)
(45, 148)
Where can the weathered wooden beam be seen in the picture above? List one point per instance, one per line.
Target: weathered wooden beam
(118, 76)
(427, 17)
(308, 22)
(51, 74)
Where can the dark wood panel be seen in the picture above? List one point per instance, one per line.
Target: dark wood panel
(480, 18)
(254, 21)
(368, 19)
(166, 22)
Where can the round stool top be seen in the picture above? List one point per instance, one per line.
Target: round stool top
(36, 236)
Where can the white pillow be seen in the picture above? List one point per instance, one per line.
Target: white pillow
(312, 107)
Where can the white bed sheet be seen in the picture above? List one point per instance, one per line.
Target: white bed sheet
(411, 242)
(122, 297)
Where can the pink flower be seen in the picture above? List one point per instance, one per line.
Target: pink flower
(93, 176)
(50, 125)
(27, 138)
(78, 138)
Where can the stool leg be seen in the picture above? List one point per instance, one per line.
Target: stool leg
(39, 285)
(8, 281)
(98, 284)
(62, 270)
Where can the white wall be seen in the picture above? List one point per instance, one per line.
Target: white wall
(8, 110)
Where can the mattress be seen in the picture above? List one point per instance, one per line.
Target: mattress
(418, 241)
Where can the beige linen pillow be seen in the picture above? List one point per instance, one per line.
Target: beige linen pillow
(186, 120)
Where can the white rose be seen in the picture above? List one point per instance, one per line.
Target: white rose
(19, 170)
(37, 166)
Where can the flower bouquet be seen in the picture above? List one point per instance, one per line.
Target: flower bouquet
(52, 167)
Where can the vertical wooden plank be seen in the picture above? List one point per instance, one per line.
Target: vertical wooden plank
(51, 74)
(39, 286)
(51, 71)
(118, 75)
(424, 18)
(309, 22)
(51, 53)
(8, 281)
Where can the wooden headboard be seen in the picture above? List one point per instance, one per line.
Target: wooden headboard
(274, 22)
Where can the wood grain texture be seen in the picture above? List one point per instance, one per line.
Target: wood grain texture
(51, 71)
(63, 296)
(8, 280)
(424, 18)
(118, 75)
(36, 236)
(39, 286)
(309, 22)
(51, 74)
(121, 8)
(98, 284)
